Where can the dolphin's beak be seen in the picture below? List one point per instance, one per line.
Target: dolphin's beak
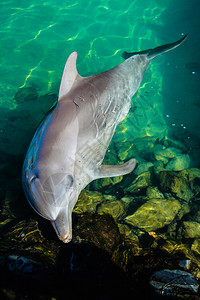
(63, 225)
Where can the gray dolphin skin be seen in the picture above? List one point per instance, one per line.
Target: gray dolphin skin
(68, 147)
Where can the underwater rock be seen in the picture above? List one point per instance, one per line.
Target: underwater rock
(125, 150)
(168, 143)
(185, 264)
(141, 182)
(196, 246)
(173, 282)
(143, 167)
(105, 182)
(26, 94)
(154, 214)
(185, 209)
(143, 146)
(22, 264)
(127, 200)
(100, 230)
(158, 153)
(128, 233)
(162, 152)
(179, 163)
(176, 184)
(158, 167)
(191, 229)
(193, 176)
(115, 208)
(25, 232)
(153, 192)
(88, 201)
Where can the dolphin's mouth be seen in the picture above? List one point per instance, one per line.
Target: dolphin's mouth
(64, 237)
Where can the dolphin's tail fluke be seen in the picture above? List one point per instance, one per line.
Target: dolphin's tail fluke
(151, 53)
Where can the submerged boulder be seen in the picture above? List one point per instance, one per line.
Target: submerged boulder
(154, 214)
(143, 167)
(99, 184)
(179, 163)
(117, 209)
(141, 182)
(191, 229)
(193, 177)
(168, 153)
(173, 282)
(176, 184)
(88, 201)
(153, 192)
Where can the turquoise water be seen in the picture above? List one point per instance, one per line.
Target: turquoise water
(36, 38)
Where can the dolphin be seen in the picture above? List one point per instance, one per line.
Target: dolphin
(68, 147)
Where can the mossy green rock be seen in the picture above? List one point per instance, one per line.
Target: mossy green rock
(179, 163)
(141, 182)
(153, 192)
(196, 246)
(193, 176)
(143, 167)
(176, 184)
(191, 229)
(154, 214)
(115, 208)
(126, 151)
(105, 182)
(88, 201)
(170, 152)
(125, 230)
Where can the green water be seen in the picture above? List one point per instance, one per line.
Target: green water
(156, 207)
(37, 38)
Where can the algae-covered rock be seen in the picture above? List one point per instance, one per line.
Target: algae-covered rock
(100, 230)
(191, 229)
(88, 201)
(115, 208)
(141, 182)
(154, 214)
(179, 163)
(158, 167)
(26, 232)
(125, 230)
(106, 182)
(127, 200)
(196, 246)
(144, 145)
(176, 184)
(168, 153)
(153, 192)
(126, 150)
(169, 143)
(143, 167)
(193, 177)
(159, 154)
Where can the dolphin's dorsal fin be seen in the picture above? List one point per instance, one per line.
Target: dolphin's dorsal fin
(70, 73)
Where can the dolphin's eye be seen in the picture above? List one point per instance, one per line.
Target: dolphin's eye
(69, 181)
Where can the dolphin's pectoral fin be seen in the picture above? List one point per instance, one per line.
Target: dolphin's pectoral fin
(112, 171)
